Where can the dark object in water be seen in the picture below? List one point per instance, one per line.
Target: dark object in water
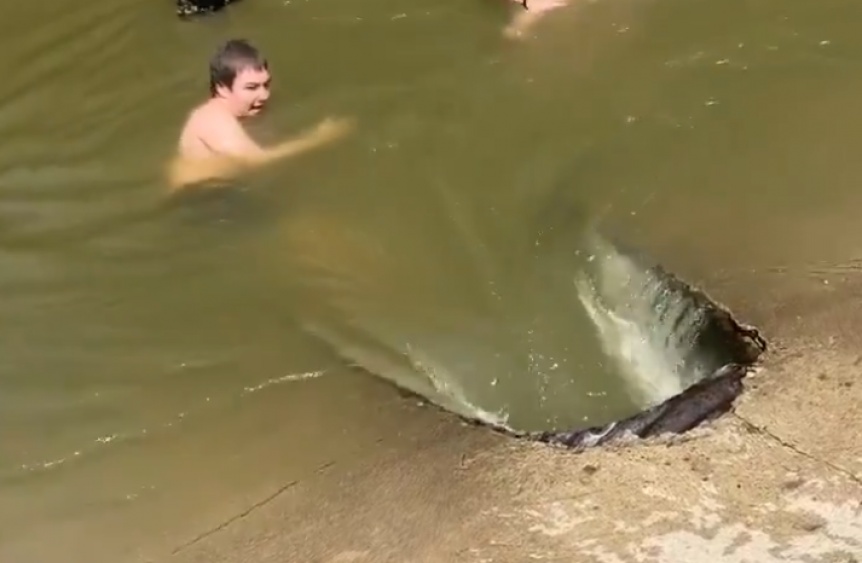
(188, 8)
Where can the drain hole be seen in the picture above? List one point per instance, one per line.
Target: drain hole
(669, 355)
(713, 351)
(702, 348)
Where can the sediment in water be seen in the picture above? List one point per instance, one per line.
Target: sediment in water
(189, 8)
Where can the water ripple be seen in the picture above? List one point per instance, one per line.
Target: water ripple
(98, 444)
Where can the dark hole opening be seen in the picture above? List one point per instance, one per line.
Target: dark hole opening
(727, 348)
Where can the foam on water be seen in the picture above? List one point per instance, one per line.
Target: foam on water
(437, 384)
(645, 328)
(446, 384)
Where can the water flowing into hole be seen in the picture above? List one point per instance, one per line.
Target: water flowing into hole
(654, 325)
(580, 334)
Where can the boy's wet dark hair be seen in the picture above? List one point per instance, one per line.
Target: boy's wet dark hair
(230, 58)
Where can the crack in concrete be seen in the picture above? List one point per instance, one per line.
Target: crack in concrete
(748, 425)
(239, 516)
(764, 431)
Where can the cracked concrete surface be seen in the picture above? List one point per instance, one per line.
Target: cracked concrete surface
(779, 480)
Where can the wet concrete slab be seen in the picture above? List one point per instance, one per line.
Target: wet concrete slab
(777, 480)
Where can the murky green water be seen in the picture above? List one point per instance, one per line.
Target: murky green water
(156, 370)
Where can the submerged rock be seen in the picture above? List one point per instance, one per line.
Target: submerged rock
(188, 8)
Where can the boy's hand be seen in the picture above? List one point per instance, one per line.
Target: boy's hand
(332, 129)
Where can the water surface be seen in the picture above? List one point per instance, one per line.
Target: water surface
(158, 371)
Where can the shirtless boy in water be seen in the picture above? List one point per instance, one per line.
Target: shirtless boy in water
(214, 144)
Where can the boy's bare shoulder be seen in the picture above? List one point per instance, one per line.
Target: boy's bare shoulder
(199, 116)
(210, 119)
(202, 124)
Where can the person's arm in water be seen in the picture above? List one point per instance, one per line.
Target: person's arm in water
(233, 150)
(228, 137)
(530, 13)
